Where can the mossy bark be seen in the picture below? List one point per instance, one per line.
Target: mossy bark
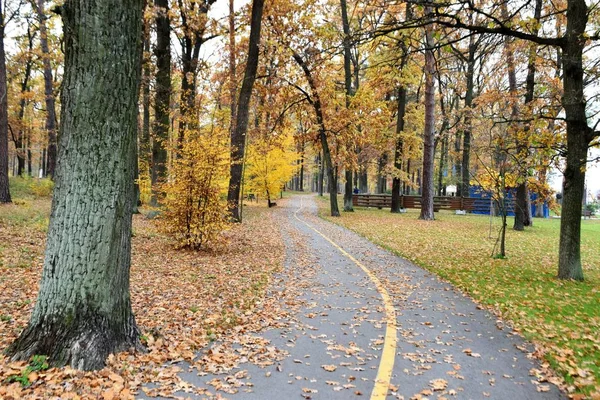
(83, 311)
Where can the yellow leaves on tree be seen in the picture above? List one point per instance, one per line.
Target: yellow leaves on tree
(270, 164)
(195, 202)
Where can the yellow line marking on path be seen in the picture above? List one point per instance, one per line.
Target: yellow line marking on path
(388, 355)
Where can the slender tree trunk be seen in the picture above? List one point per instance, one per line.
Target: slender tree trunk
(160, 139)
(83, 312)
(29, 155)
(428, 134)
(232, 67)
(194, 21)
(238, 139)
(466, 134)
(521, 193)
(398, 148)
(302, 167)
(457, 173)
(349, 93)
(363, 180)
(4, 184)
(145, 154)
(321, 177)
(523, 200)
(50, 165)
(20, 139)
(443, 139)
(381, 178)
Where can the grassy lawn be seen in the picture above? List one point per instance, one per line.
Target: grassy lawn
(561, 318)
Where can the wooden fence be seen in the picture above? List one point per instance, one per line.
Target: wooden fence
(472, 204)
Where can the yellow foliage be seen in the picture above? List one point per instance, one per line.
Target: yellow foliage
(196, 210)
(270, 164)
(144, 183)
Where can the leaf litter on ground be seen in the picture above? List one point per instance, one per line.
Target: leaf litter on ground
(184, 302)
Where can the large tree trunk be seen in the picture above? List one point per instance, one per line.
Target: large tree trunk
(429, 131)
(50, 165)
(160, 139)
(579, 135)
(238, 137)
(4, 185)
(83, 312)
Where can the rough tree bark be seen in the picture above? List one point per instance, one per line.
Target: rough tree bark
(4, 184)
(162, 51)
(83, 311)
(427, 188)
(238, 137)
(50, 165)
(579, 135)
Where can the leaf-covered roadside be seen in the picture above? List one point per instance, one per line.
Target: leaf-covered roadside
(182, 301)
(562, 318)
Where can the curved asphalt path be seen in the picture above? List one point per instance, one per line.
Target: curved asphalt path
(368, 324)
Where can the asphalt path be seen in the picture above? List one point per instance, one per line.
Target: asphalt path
(364, 323)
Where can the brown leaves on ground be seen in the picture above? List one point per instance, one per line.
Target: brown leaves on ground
(182, 301)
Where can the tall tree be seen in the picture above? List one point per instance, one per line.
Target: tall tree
(83, 311)
(522, 203)
(579, 133)
(4, 184)
(232, 67)
(427, 189)
(194, 19)
(315, 101)
(19, 139)
(162, 101)
(238, 137)
(50, 166)
(401, 113)
(349, 93)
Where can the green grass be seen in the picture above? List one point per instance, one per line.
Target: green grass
(562, 317)
(31, 204)
(27, 188)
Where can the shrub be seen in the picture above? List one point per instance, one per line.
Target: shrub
(196, 209)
